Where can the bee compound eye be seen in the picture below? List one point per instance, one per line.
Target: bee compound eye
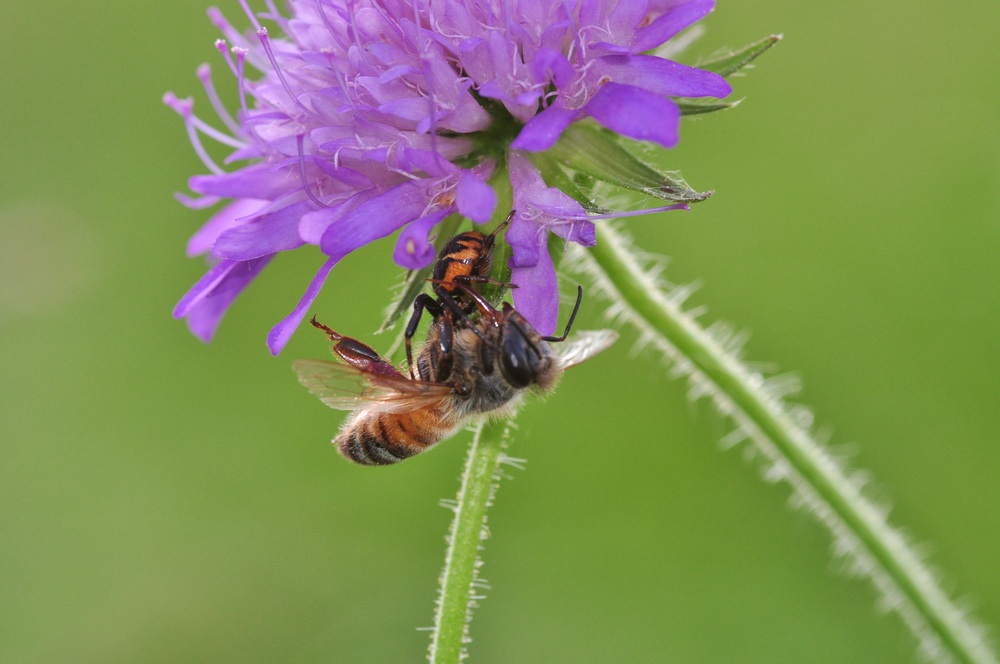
(517, 361)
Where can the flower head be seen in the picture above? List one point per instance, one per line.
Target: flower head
(372, 116)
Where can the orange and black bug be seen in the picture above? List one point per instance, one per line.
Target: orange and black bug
(465, 260)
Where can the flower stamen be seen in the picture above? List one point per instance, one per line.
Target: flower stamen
(266, 43)
(196, 203)
(302, 174)
(276, 16)
(184, 107)
(205, 74)
(220, 22)
(250, 15)
(222, 46)
(241, 87)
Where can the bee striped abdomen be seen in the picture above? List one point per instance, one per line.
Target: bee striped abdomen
(379, 439)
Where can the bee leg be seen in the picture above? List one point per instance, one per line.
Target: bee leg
(364, 358)
(357, 354)
(422, 301)
(441, 355)
(334, 336)
(487, 352)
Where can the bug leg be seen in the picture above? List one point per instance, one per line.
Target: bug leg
(486, 310)
(503, 224)
(572, 317)
(422, 301)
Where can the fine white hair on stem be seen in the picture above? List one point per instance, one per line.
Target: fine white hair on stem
(783, 441)
(462, 587)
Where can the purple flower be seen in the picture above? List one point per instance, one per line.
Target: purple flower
(376, 116)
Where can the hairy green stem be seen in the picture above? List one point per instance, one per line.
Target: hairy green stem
(460, 579)
(819, 483)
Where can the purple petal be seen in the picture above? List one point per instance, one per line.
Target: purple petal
(348, 176)
(257, 181)
(492, 90)
(660, 76)
(409, 109)
(537, 294)
(549, 61)
(475, 199)
(524, 177)
(375, 218)
(670, 23)
(580, 231)
(203, 287)
(607, 48)
(466, 115)
(207, 301)
(528, 99)
(314, 224)
(636, 113)
(413, 250)
(532, 196)
(429, 161)
(267, 234)
(221, 221)
(543, 130)
(625, 17)
(283, 331)
(525, 239)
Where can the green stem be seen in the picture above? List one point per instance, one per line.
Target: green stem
(861, 531)
(459, 579)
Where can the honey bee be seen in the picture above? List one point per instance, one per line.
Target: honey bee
(465, 260)
(481, 368)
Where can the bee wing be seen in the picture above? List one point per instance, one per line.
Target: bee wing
(584, 345)
(345, 387)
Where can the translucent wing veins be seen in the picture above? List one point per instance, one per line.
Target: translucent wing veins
(344, 387)
(584, 345)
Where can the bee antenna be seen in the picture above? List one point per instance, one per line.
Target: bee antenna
(572, 317)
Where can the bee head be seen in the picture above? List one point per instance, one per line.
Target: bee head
(525, 357)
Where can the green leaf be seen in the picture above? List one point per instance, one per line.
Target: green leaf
(578, 186)
(599, 154)
(730, 62)
(690, 106)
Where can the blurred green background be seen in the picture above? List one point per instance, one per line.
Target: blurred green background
(167, 501)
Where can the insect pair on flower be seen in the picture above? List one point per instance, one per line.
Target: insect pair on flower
(476, 361)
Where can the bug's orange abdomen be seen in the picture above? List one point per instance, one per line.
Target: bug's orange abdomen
(463, 256)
